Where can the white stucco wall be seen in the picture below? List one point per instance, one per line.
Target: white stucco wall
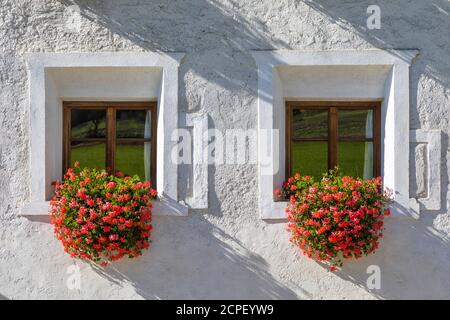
(225, 251)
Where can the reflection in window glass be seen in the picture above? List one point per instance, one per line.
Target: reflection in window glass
(356, 159)
(310, 158)
(89, 154)
(88, 124)
(347, 132)
(134, 159)
(310, 124)
(355, 123)
(133, 124)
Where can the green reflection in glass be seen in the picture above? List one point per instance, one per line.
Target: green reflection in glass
(356, 159)
(133, 124)
(310, 124)
(90, 155)
(88, 124)
(355, 123)
(310, 158)
(134, 159)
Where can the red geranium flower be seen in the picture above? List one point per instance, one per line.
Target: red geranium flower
(336, 217)
(102, 217)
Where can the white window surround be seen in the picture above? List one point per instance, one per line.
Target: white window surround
(395, 114)
(45, 127)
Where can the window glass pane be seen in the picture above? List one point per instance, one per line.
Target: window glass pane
(132, 159)
(88, 154)
(133, 124)
(356, 159)
(310, 124)
(88, 124)
(355, 123)
(310, 158)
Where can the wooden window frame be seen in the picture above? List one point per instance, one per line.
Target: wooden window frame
(333, 135)
(111, 107)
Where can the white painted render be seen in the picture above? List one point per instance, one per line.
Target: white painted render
(225, 250)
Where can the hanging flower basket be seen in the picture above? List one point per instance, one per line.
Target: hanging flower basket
(101, 217)
(335, 218)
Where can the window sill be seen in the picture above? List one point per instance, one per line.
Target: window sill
(275, 210)
(39, 211)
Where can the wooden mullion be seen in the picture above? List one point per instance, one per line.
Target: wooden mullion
(332, 138)
(111, 139)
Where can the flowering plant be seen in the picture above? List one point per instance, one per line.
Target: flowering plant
(336, 217)
(102, 217)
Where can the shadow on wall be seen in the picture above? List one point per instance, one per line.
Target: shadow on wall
(220, 74)
(186, 26)
(221, 31)
(193, 259)
(413, 262)
(219, 79)
(214, 31)
(404, 25)
(189, 26)
(201, 262)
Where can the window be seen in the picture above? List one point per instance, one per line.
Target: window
(288, 75)
(113, 76)
(323, 135)
(118, 136)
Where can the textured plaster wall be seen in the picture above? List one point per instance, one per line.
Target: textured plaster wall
(225, 251)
